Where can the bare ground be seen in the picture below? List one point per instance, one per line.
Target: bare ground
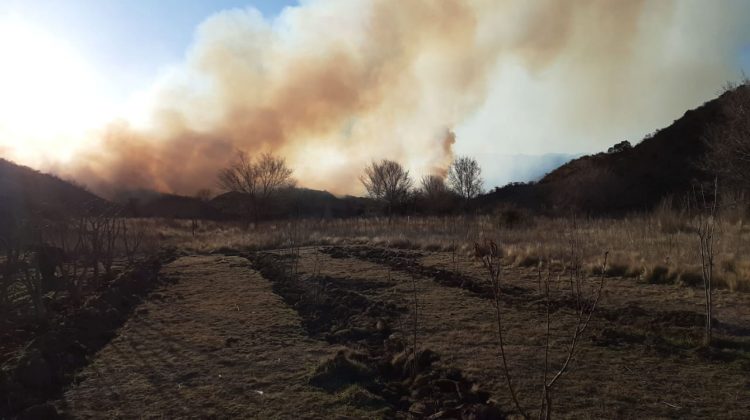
(220, 343)
(610, 378)
(217, 343)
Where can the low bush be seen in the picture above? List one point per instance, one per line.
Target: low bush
(660, 274)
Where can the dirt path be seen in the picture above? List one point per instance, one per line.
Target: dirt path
(215, 343)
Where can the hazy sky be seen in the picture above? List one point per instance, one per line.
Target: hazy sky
(370, 80)
(129, 41)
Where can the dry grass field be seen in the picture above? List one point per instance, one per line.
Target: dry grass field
(305, 319)
(215, 343)
(374, 209)
(655, 248)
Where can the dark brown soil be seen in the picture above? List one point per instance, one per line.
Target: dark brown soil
(384, 364)
(47, 364)
(661, 331)
(273, 335)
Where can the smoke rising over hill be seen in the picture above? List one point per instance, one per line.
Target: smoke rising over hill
(332, 85)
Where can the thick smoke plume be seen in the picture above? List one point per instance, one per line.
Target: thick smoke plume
(332, 85)
(328, 85)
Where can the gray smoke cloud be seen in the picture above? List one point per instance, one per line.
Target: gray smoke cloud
(618, 73)
(332, 85)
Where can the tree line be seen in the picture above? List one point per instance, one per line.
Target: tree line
(387, 182)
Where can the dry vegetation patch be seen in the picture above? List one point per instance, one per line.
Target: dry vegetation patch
(659, 372)
(342, 296)
(217, 343)
(40, 369)
(394, 374)
(656, 248)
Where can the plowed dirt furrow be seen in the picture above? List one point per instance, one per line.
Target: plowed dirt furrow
(216, 343)
(654, 378)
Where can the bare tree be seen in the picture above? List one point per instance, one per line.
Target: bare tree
(32, 281)
(436, 194)
(465, 177)
(490, 256)
(102, 232)
(133, 233)
(15, 264)
(387, 181)
(111, 233)
(433, 186)
(259, 180)
(706, 221)
(585, 306)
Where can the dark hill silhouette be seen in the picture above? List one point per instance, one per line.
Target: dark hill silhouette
(295, 202)
(155, 204)
(26, 193)
(668, 162)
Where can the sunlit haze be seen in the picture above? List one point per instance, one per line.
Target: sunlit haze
(50, 95)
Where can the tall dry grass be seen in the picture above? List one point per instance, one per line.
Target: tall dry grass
(661, 247)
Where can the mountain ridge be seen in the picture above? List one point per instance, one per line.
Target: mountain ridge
(668, 162)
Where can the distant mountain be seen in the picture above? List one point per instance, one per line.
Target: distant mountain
(506, 168)
(624, 179)
(27, 193)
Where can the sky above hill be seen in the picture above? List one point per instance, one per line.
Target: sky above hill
(160, 94)
(127, 41)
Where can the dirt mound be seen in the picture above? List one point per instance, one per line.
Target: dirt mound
(330, 309)
(379, 367)
(345, 368)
